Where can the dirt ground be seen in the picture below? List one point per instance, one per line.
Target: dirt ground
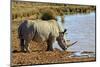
(39, 55)
(46, 57)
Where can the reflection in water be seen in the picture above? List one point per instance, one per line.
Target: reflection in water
(81, 28)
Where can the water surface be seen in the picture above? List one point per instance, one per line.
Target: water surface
(81, 28)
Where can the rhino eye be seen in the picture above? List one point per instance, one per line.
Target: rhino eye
(64, 40)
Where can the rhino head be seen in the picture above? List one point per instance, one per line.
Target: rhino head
(62, 42)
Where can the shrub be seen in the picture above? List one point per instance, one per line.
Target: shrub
(47, 14)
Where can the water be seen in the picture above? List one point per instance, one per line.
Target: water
(81, 28)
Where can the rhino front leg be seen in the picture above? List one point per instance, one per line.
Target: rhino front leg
(50, 42)
(49, 45)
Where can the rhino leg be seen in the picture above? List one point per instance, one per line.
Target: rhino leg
(50, 42)
(49, 45)
(26, 46)
(22, 44)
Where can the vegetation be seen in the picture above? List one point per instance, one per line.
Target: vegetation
(47, 15)
(34, 10)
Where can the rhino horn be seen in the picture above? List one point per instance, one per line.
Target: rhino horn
(71, 44)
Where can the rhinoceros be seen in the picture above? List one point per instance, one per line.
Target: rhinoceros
(41, 31)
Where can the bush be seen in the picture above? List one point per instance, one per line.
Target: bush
(47, 14)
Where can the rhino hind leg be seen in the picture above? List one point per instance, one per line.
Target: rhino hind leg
(26, 46)
(22, 44)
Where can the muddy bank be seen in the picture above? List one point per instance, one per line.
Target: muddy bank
(46, 57)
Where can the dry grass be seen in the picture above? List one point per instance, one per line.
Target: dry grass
(33, 10)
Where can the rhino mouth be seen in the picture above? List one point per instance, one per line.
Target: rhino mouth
(66, 44)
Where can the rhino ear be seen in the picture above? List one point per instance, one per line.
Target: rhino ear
(65, 30)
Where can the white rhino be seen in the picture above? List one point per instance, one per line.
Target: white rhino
(41, 31)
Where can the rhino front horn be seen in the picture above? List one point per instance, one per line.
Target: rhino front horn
(71, 44)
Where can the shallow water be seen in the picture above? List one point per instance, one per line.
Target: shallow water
(81, 28)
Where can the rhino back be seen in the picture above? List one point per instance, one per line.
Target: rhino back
(39, 29)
